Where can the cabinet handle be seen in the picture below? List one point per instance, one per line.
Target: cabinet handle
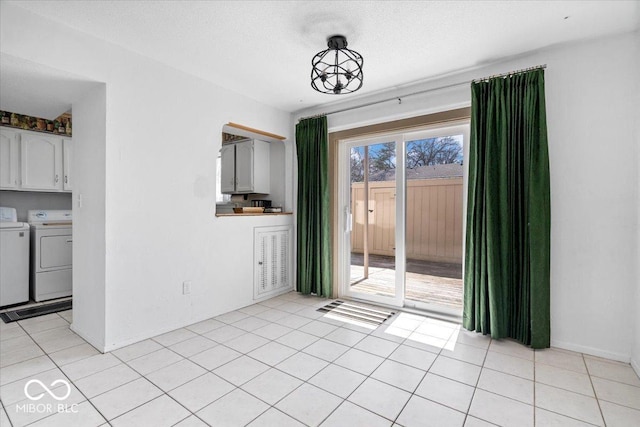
(259, 262)
(66, 179)
(57, 179)
(69, 240)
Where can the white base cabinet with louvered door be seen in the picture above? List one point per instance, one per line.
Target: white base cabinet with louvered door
(272, 261)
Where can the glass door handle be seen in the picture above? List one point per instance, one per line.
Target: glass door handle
(347, 220)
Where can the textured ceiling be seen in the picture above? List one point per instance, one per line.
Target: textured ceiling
(36, 90)
(263, 49)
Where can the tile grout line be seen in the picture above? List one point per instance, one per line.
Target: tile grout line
(211, 371)
(301, 350)
(395, 420)
(346, 399)
(165, 346)
(307, 381)
(394, 386)
(165, 393)
(560, 388)
(594, 389)
(338, 327)
(286, 373)
(535, 356)
(534, 392)
(64, 374)
(475, 388)
(102, 370)
(297, 351)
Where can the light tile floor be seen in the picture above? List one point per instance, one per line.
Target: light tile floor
(282, 363)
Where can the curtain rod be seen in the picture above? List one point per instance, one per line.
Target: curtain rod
(399, 98)
(510, 73)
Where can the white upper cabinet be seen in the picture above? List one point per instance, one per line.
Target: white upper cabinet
(244, 167)
(41, 161)
(9, 160)
(227, 169)
(67, 163)
(33, 161)
(247, 165)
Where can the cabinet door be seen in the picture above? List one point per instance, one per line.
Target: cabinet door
(261, 167)
(67, 164)
(41, 161)
(228, 169)
(272, 258)
(9, 159)
(244, 167)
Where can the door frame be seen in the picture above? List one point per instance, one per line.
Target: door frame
(344, 221)
(460, 128)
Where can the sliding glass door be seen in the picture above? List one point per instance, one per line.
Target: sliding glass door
(371, 262)
(434, 219)
(402, 199)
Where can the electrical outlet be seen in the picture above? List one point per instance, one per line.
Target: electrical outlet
(186, 287)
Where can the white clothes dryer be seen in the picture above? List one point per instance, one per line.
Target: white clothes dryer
(51, 254)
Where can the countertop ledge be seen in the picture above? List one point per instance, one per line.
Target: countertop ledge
(254, 214)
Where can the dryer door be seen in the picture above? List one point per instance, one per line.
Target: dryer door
(55, 251)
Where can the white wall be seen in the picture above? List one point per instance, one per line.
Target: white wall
(594, 217)
(160, 141)
(23, 201)
(635, 356)
(594, 180)
(89, 212)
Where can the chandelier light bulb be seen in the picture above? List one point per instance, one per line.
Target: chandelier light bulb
(348, 74)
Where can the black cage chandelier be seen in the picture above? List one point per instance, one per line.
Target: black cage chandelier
(337, 70)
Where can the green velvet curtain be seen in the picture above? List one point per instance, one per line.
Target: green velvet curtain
(506, 284)
(313, 220)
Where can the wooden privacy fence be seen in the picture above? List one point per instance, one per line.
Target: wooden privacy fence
(434, 219)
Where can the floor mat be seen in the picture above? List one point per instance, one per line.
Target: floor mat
(41, 310)
(357, 313)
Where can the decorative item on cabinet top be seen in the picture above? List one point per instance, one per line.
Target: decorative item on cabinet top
(60, 126)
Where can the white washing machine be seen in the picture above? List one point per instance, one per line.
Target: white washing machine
(51, 254)
(14, 258)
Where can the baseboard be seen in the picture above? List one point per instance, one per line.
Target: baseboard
(97, 345)
(276, 293)
(155, 333)
(120, 344)
(592, 351)
(636, 367)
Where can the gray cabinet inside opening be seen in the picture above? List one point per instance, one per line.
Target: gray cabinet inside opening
(245, 167)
